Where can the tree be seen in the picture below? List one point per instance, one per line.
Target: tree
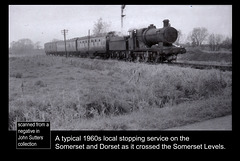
(22, 46)
(214, 41)
(100, 27)
(37, 45)
(179, 36)
(211, 41)
(227, 43)
(198, 35)
(219, 39)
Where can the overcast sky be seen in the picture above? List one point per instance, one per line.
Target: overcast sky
(44, 22)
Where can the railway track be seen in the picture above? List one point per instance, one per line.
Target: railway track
(191, 65)
(202, 66)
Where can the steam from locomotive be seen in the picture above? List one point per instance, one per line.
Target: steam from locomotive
(145, 45)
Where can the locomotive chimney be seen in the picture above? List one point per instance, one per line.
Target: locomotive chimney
(165, 23)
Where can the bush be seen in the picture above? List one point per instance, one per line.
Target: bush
(40, 83)
(18, 75)
(173, 86)
(14, 116)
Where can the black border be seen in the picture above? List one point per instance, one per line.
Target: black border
(225, 137)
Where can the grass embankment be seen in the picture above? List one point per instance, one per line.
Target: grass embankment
(78, 93)
(197, 55)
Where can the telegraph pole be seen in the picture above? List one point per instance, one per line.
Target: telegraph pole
(88, 39)
(64, 32)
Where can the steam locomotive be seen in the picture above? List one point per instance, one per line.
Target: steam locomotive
(146, 44)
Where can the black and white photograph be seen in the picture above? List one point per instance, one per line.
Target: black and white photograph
(121, 67)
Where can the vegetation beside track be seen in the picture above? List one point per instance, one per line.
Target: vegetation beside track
(83, 93)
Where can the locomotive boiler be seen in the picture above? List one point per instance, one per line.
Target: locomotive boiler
(151, 35)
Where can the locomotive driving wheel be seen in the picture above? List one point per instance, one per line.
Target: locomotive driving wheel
(145, 57)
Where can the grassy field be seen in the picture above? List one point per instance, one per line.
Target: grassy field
(94, 94)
